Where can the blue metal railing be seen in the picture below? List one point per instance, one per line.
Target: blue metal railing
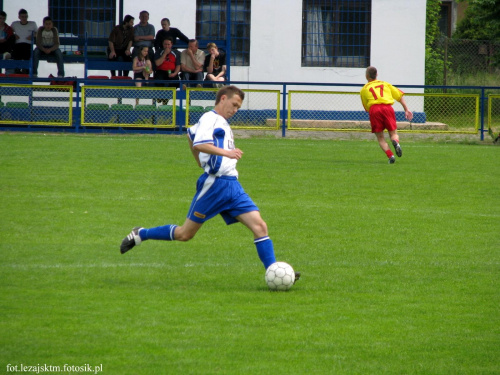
(284, 87)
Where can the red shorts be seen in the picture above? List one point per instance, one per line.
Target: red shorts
(382, 117)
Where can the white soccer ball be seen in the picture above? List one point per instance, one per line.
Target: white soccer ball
(280, 276)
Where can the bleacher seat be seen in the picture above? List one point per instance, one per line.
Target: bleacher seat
(121, 78)
(98, 106)
(97, 77)
(18, 75)
(122, 107)
(16, 105)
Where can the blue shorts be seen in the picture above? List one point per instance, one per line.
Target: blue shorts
(219, 195)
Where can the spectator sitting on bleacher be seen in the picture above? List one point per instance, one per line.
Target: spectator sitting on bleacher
(23, 30)
(47, 43)
(215, 65)
(144, 35)
(120, 43)
(7, 38)
(167, 31)
(192, 60)
(168, 65)
(142, 66)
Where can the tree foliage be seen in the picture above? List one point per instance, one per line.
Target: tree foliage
(433, 56)
(481, 21)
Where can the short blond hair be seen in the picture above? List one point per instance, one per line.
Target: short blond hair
(212, 45)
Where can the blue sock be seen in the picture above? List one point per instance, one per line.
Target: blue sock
(265, 249)
(165, 233)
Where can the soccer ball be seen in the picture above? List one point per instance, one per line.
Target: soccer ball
(280, 276)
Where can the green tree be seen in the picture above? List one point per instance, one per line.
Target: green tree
(481, 21)
(434, 64)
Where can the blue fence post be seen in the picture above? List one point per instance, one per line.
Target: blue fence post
(77, 112)
(180, 116)
(228, 40)
(283, 113)
(481, 106)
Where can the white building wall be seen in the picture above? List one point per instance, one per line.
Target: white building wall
(398, 41)
(397, 45)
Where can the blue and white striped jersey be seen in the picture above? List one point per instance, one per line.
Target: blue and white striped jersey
(213, 128)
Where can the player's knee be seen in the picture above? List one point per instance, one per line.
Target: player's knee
(183, 235)
(261, 229)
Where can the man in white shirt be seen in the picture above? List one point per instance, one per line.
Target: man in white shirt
(24, 30)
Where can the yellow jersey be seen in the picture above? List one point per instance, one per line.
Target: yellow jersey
(379, 92)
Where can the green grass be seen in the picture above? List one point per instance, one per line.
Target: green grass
(400, 263)
(477, 79)
(460, 113)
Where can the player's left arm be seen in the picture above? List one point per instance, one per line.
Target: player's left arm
(408, 113)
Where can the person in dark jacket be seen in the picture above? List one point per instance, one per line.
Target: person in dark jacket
(120, 43)
(167, 31)
(7, 37)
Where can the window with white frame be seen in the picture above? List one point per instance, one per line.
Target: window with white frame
(336, 33)
(211, 23)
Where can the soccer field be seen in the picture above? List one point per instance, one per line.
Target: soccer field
(400, 263)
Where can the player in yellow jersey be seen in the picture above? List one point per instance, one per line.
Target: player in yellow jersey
(377, 98)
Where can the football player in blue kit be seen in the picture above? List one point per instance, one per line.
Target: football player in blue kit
(218, 190)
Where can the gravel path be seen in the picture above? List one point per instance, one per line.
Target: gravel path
(405, 137)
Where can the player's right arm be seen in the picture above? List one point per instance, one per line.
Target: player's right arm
(196, 153)
(211, 149)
